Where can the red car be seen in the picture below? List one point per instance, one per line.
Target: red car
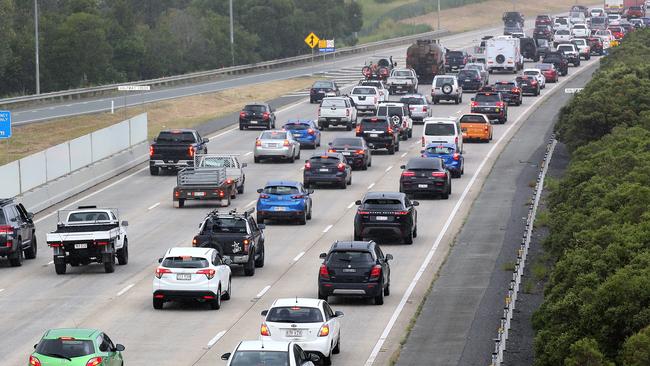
(549, 71)
(633, 12)
(617, 32)
(543, 20)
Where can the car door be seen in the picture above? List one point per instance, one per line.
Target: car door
(332, 321)
(222, 270)
(26, 223)
(15, 219)
(107, 349)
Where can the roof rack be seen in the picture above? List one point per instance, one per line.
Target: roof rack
(233, 212)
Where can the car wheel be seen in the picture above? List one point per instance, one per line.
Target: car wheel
(233, 193)
(256, 159)
(337, 349)
(109, 265)
(357, 237)
(446, 194)
(216, 303)
(391, 150)
(30, 253)
(397, 146)
(240, 189)
(153, 170)
(348, 127)
(60, 268)
(303, 219)
(415, 231)
(158, 303)
(435, 100)
(227, 294)
(16, 259)
(309, 214)
(379, 299)
(260, 219)
(241, 127)
(365, 166)
(408, 239)
(259, 262)
(298, 157)
(180, 203)
(123, 254)
(387, 290)
(321, 296)
(249, 268)
(344, 185)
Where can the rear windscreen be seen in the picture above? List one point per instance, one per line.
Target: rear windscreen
(413, 101)
(176, 137)
(352, 258)
(439, 129)
(503, 86)
(531, 73)
(339, 103)
(229, 225)
(281, 190)
(294, 314)
(376, 84)
(381, 203)
(442, 81)
(88, 216)
(423, 164)
(454, 54)
(348, 141)
(564, 48)
(472, 119)
(325, 160)
(389, 111)
(296, 126)
(487, 98)
(562, 32)
(467, 74)
(273, 135)
(3, 221)
(402, 73)
(443, 150)
(185, 262)
(322, 84)
(378, 125)
(597, 20)
(266, 358)
(364, 91)
(255, 108)
(69, 348)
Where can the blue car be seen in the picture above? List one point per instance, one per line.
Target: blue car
(305, 132)
(452, 158)
(284, 200)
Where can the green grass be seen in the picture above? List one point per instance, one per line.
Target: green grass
(539, 270)
(373, 10)
(541, 219)
(508, 266)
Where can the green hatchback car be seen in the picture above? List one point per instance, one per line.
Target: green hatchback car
(79, 347)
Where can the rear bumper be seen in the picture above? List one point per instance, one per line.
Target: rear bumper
(430, 188)
(529, 90)
(380, 144)
(366, 108)
(6, 251)
(442, 96)
(203, 193)
(471, 85)
(176, 295)
(334, 120)
(362, 289)
(289, 213)
(270, 152)
(313, 178)
(492, 114)
(260, 123)
(171, 164)
(381, 230)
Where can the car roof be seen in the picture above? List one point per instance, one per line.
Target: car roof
(297, 301)
(257, 345)
(379, 194)
(288, 183)
(352, 245)
(78, 333)
(439, 120)
(191, 251)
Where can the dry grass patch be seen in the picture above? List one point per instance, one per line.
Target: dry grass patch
(174, 113)
(488, 13)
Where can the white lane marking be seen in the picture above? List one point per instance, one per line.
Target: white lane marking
(1, 289)
(50, 262)
(436, 243)
(124, 290)
(251, 203)
(248, 153)
(459, 111)
(222, 133)
(371, 185)
(153, 206)
(328, 228)
(295, 259)
(388, 169)
(351, 205)
(403, 155)
(261, 293)
(216, 338)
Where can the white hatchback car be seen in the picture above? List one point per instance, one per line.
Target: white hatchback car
(310, 323)
(537, 74)
(249, 353)
(442, 130)
(187, 273)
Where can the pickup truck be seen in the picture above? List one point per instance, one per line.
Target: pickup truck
(234, 169)
(337, 111)
(89, 235)
(174, 149)
(402, 80)
(204, 183)
(366, 99)
(236, 236)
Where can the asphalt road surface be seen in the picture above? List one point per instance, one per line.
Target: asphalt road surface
(34, 298)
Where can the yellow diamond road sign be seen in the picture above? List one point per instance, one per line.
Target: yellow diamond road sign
(312, 40)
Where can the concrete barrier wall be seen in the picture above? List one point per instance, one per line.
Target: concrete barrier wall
(47, 177)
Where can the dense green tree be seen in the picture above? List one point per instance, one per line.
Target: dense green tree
(585, 352)
(636, 349)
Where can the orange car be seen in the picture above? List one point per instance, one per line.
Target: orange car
(476, 126)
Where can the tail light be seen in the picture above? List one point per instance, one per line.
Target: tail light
(222, 194)
(457, 156)
(324, 331)
(264, 195)
(298, 197)
(307, 165)
(424, 109)
(358, 130)
(265, 115)
(151, 151)
(246, 243)
(258, 143)
(347, 113)
(160, 271)
(177, 193)
(209, 273)
(360, 152)
(390, 131)
(190, 151)
(456, 141)
(331, 151)
(439, 175)
(286, 143)
(242, 114)
(323, 272)
(33, 361)
(101, 243)
(50, 244)
(195, 242)
(401, 213)
(7, 230)
(228, 181)
(375, 272)
(515, 90)
(94, 361)
(341, 167)
(363, 212)
(500, 104)
(474, 104)
(311, 131)
(408, 174)
(264, 330)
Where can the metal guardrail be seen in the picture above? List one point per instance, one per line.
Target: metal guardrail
(210, 74)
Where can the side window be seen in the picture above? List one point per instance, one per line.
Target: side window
(252, 226)
(22, 212)
(106, 345)
(380, 254)
(12, 214)
(328, 311)
(297, 354)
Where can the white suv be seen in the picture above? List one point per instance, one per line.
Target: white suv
(311, 323)
(187, 273)
(446, 87)
(442, 130)
(337, 111)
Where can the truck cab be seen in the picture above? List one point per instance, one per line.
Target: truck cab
(175, 149)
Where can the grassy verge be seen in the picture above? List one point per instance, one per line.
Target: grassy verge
(174, 113)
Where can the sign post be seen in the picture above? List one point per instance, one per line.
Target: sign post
(128, 88)
(572, 90)
(312, 41)
(5, 129)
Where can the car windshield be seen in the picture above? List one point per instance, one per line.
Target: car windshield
(442, 81)
(322, 84)
(339, 103)
(441, 150)
(229, 225)
(542, 42)
(531, 73)
(487, 98)
(354, 142)
(439, 129)
(273, 135)
(377, 125)
(364, 91)
(413, 101)
(467, 74)
(65, 348)
(296, 126)
(402, 73)
(255, 108)
(545, 66)
(384, 111)
(171, 137)
(294, 314)
(266, 358)
(185, 262)
(352, 258)
(377, 203)
(88, 216)
(472, 118)
(281, 190)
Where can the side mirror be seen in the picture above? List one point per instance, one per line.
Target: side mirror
(261, 226)
(227, 261)
(264, 312)
(119, 348)
(404, 166)
(322, 256)
(226, 356)
(357, 202)
(310, 191)
(125, 223)
(244, 165)
(389, 257)
(415, 203)
(259, 190)
(206, 140)
(394, 63)
(338, 314)
(155, 139)
(314, 358)
(160, 260)
(30, 215)
(36, 345)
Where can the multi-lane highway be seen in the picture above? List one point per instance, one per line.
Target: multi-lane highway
(34, 298)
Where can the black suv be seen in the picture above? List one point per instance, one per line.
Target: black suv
(355, 268)
(558, 59)
(491, 104)
(529, 48)
(330, 168)
(426, 176)
(456, 60)
(379, 134)
(385, 214)
(257, 115)
(355, 150)
(17, 232)
(235, 235)
(510, 92)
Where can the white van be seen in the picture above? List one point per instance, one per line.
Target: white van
(504, 53)
(442, 130)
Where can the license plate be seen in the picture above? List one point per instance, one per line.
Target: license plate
(374, 135)
(253, 122)
(273, 145)
(323, 170)
(381, 218)
(467, 80)
(81, 246)
(183, 276)
(294, 332)
(349, 270)
(422, 186)
(346, 153)
(199, 194)
(280, 208)
(296, 135)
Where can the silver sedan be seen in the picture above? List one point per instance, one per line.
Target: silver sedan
(278, 144)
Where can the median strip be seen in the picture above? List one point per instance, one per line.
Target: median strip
(261, 293)
(124, 290)
(216, 338)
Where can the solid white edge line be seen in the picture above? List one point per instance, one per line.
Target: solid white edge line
(248, 153)
(436, 243)
(50, 262)
(328, 228)
(371, 185)
(296, 258)
(388, 169)
(216, 338)
(153, 206)
(124, 290)
(261, 293)
(350, 205)
(403, 155)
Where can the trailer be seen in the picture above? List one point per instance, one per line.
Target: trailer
(204, 183)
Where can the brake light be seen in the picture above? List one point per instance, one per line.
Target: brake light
(264, 330)
(515, 90)
(246, 243)
(401, 213)
(286, 143)
(8, 230)
(500, 104)
(264, 195)
(363, 212)
(341, 167)
(94, 361)
(222, 194)
(390, 131)
(190, 151)
(311, 131)
(160, 271)
(258, 143)
(195, 242)
(51, 245)
(358, 130)
(266, 115)
(324, 331)
(323, 272)
(439, 175)
(298, 197)
(375, 272)
(474, 104)
(457, 156)
(33, 361)
(209, 273)
(151, 150)
(101, 243)
(360, 152)
(308, 165)
(242, 114)
(424, 109)
(331, 151)
(408, 174)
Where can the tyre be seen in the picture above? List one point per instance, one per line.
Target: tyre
(445, 195)
(260, 219)
(348, 127)
(158, 303)
(240, 189)
(408, 239)
(241, 127)
(365, 166)
(415, 232)
(337, 349)
(216, 303)
(435, 100)
(123, 254)
(30, 253)
(344, 185)
(456, 101)
(154, 170)
(249, 268)
(303, 219)
(350, 180)
(410, 134)
(181, 203)
(233, 194)
(16, 259)
(321, 296)
(357, 237)
(259, 262)
(309, 214)
(60, 268)
(326, 360)
(397, 146)
(109, 266)
(379, 299)
(387, 290)
(227, 295)
(391, 150)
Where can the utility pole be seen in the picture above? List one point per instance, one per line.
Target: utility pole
(438, 14)
(232, 37)
(38, 76)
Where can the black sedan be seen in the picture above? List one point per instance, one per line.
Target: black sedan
(510, 92)
(386, 214)
(322, 89)
(355, 268)
(355, 150)
(329, 168)
(257, 115)
(528, 85)
(425, 176)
